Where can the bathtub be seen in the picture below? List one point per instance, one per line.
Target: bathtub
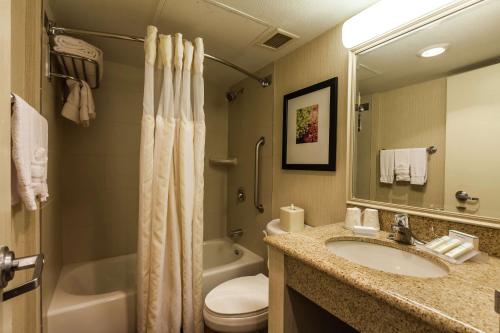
(99, 296)
(95, 296)
(223, 260)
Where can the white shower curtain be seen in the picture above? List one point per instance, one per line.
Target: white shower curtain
(171, 200)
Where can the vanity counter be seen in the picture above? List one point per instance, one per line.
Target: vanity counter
(462, 301)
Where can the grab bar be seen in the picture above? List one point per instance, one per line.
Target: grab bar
(256, 196)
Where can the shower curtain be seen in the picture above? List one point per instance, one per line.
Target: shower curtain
(170, 239)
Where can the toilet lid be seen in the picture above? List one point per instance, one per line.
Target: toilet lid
(242, 295)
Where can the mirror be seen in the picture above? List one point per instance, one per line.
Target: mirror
(429, 108)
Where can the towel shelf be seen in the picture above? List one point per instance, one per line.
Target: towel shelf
(75, 62)
(224, 162)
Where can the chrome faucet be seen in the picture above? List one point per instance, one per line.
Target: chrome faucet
(402, 230)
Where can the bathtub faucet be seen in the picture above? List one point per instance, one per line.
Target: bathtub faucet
(235, 234)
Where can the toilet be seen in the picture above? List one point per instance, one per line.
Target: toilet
(240, 304)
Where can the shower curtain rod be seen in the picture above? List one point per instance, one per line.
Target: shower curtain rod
(54, 30)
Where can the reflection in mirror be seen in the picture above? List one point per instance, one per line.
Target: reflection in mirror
(438, 86)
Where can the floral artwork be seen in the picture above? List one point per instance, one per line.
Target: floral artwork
(307, 124)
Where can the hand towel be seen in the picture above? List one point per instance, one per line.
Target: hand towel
(29, 152)
(75, 46)
(87, 107)
(418, 166)
(71, 108)
(402, 165)
(387, 166)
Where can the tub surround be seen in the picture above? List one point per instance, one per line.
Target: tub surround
(369, 299)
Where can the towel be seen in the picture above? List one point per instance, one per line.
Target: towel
(79, 106)
(29, 153)
(71, 109)
(75, 46)
(87, 107)
(402, 165)
(387, 166)
(418, 166)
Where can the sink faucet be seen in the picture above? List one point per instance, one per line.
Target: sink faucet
(402, 230)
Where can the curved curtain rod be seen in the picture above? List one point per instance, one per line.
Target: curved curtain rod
(54, 30)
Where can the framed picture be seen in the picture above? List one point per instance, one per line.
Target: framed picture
(310, 127)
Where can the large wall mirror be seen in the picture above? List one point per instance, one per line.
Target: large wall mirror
(430, 99)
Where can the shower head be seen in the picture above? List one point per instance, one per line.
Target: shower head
(232, 94)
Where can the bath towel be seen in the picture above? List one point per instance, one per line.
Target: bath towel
(75, 46)
(418, 166)
(387, 166)
(402, 165)
(29, 153)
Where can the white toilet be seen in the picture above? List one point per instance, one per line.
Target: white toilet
(241, 304)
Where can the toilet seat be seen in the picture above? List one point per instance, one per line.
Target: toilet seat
(238, 305)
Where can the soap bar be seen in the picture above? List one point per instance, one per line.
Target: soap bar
(366, 231)
(448, 245)
(437, 242)
(460, 250)
(292, 218)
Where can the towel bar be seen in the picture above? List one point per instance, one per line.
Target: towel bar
(430, 149)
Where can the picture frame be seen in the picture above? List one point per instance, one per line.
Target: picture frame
(310, 127)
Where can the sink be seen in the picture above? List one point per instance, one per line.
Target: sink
(387, 259)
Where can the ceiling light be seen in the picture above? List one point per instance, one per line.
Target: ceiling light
(385, 16)
(432, 51)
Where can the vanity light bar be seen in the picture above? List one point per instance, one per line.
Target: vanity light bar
(385, 16)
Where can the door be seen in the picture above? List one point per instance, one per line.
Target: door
(5, 237)
(20, 31)
(472, 137)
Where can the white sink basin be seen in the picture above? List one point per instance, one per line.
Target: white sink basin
(386, 259)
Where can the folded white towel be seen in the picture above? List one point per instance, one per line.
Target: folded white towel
(29, 152)
(402, 165)
(387, 166)
(75, 46)
(418, 166)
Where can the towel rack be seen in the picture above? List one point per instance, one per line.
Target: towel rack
(74, 59)
(430, 149)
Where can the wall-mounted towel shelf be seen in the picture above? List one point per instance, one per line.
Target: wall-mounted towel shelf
(224, 162)
(70, 63)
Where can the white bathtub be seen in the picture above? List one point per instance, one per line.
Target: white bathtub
(95, 296)
(99, 296)
(223, 260)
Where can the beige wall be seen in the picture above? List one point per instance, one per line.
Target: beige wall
(216, 146)
(472, 137)
(412, 116)
(99, 171)
(321, 194)
(51, 229)
(250, 117)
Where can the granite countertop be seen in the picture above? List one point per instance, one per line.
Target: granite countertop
(462, 301)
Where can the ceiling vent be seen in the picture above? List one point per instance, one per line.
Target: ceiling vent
(276, 39)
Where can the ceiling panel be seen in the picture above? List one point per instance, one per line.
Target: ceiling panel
(230, 28)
